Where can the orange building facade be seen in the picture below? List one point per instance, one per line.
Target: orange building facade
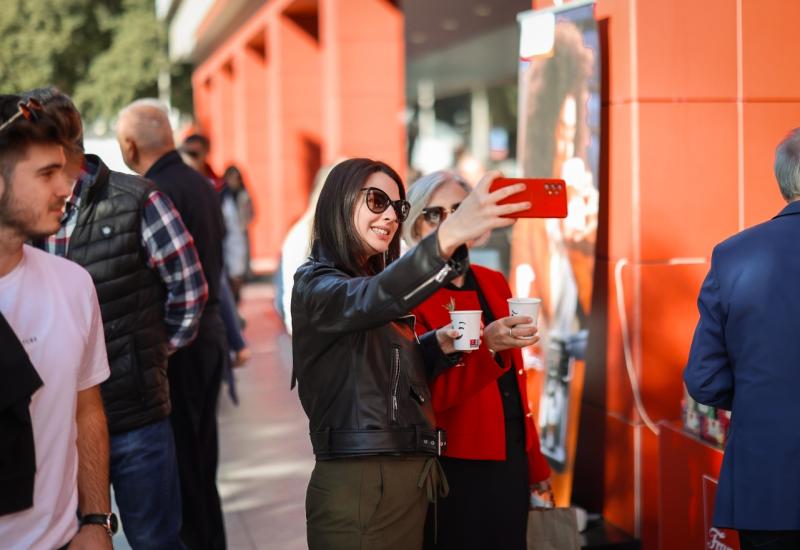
(697, 95)
(300, 84)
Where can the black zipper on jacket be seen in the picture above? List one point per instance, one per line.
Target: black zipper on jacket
(395, 384)
(440, 276)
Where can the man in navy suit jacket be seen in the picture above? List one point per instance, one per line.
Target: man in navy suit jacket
(745, 357)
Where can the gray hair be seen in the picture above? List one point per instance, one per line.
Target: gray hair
(787, 165)
(419, 194)
(150, 126)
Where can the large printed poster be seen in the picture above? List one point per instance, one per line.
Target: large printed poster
(553, 259)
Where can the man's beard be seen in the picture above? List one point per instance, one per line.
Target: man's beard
(20, 219)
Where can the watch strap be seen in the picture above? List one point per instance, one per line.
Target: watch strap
(109, 521)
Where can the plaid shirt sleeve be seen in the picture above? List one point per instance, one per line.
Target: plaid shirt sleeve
(171, 252)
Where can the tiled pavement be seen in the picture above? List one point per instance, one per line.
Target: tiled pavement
(265, 454)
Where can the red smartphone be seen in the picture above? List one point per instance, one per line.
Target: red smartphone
(548, 197)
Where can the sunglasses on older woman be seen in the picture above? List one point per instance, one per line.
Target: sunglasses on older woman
(378, 201)
(435, 215)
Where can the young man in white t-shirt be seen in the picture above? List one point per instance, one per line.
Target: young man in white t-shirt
(51, 306)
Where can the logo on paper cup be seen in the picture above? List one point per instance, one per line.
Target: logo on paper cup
(467, 323)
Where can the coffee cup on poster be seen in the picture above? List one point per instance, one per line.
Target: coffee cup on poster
(525, 306)
(468, 325)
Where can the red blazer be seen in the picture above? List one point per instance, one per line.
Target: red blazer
(466, 398)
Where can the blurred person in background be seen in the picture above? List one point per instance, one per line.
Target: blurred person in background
(234, 183)
(194, 152)
(235, 249)
(467, 166)
(492, 460)
(152, 292)
(361, 370)
(235, 253)
(296, 249)
(238, 352)
(195, 371)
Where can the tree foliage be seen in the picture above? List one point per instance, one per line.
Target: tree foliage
(104, 53)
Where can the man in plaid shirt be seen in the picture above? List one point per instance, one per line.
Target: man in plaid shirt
(170, 251)
(152, 293)
(145, 137)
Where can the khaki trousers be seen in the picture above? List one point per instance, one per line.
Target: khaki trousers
(367, 503)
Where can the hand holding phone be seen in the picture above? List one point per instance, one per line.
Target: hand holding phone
(480, 211)
(548, 196)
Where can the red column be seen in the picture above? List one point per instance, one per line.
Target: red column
(363, 78)
(251, 140)
(294, 122)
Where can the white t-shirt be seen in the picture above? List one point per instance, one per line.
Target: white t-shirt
(52, 306)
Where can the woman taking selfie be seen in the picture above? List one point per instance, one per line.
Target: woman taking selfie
(492, 459)
(361, 371)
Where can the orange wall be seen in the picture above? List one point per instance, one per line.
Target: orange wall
(278, 100)
(699, 95)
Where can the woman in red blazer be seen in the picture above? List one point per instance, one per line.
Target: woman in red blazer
(492, 460)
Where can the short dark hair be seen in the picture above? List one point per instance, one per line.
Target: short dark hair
(198, 138)
(334, 227)
(60, 106)
(17, 137)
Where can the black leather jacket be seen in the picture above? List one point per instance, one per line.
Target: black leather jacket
(362, 372)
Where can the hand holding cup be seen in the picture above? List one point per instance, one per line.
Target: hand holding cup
(514, 331)
(525, 306)
(446, 337)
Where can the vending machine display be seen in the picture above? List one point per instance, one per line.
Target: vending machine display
(708, 423)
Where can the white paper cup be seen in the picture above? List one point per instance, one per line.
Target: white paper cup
(525, 306)
(468, 325)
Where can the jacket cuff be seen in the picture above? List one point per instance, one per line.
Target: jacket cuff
(459, 261)
(436, 361)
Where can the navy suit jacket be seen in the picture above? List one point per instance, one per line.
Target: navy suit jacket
(745, 357)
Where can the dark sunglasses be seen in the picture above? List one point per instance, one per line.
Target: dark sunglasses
(28, 110)
(378, 201)
(435, 215)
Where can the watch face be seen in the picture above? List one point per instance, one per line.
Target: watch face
(113, 523)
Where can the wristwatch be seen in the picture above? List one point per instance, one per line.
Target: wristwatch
(109, 521)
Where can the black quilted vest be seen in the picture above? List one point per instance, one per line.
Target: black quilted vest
(107, 243)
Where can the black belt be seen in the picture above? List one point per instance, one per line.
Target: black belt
(330, 443)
